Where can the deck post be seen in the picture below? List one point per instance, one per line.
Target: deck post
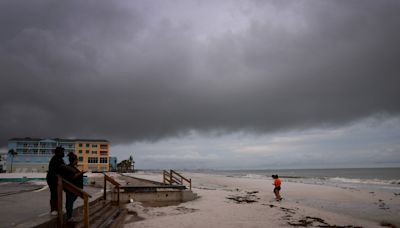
(60, 221)
(118, 196)
(86, 211)
(105, 187)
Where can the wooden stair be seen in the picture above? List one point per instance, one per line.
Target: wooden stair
(98, 213)
(103, 214)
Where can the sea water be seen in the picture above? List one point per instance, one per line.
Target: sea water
(387, 179)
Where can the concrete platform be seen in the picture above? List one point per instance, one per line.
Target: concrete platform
(152, 192)
(26, 204)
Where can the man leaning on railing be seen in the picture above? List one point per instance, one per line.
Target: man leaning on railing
(75, 177)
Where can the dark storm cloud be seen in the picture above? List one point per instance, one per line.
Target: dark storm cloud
(130, 71)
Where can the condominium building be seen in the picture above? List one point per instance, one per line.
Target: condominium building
(93, 155)
(34, 154)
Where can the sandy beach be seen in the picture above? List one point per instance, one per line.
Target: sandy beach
(225, 201)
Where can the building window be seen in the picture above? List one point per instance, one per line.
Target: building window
(103, 153)
(103, 160)
(87, 151)
(94, 152)
(92, 160)
(87, 144)
(103, 146)
(80, 144)
(81, 159)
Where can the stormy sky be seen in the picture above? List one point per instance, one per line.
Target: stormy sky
(176, 79)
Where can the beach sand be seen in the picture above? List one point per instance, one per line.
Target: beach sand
(248, 202)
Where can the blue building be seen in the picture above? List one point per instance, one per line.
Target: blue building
(34, 154)
(3, 158)
(113, 164)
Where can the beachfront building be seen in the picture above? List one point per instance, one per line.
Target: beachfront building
(34, 154)
(93, 155)
(3, 158)
(113, 164)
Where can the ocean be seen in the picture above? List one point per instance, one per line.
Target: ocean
(370, 178)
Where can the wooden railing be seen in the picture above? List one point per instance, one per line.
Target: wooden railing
(112, 181)
(64, 184)
(173, 177)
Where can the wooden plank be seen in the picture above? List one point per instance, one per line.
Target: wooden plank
(118, 195)
(105, 188)
(61, 184)
(176, 180)
(86, 212)
(72, 188)
(60, 221)
(150, 189)
(181, 176)
(110, 179)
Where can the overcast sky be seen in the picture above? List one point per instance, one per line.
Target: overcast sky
(207, 84)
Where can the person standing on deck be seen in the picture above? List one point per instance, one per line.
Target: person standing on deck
(55, 168)
(75, 176)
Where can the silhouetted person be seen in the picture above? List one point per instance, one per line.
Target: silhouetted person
(277, 184)
(75, 177)
(55, 168)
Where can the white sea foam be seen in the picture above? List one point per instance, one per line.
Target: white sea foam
(364, 181)
(254, 176)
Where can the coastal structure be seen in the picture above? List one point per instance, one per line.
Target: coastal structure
(93, 155)
(113, 164)
(3, 158)
(126, 166)
(34, 154)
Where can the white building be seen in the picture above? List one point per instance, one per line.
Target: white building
(3, 159)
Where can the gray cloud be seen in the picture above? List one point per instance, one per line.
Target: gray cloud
(130, 71)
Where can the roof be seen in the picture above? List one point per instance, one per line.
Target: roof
(28, 139)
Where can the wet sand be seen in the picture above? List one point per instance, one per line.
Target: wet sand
(245, 202)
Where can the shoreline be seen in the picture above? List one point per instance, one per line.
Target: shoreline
(231, 201)
(227, 201)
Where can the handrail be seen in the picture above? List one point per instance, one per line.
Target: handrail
(112, 181)
(182, 177)
(62, 183)
(166, 177)
(170, 177)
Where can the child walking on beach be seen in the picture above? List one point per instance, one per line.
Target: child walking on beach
(277, 184)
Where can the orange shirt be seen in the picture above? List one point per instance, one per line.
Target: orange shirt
(277, 182)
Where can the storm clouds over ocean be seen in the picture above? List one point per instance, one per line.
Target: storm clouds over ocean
(149, 71)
